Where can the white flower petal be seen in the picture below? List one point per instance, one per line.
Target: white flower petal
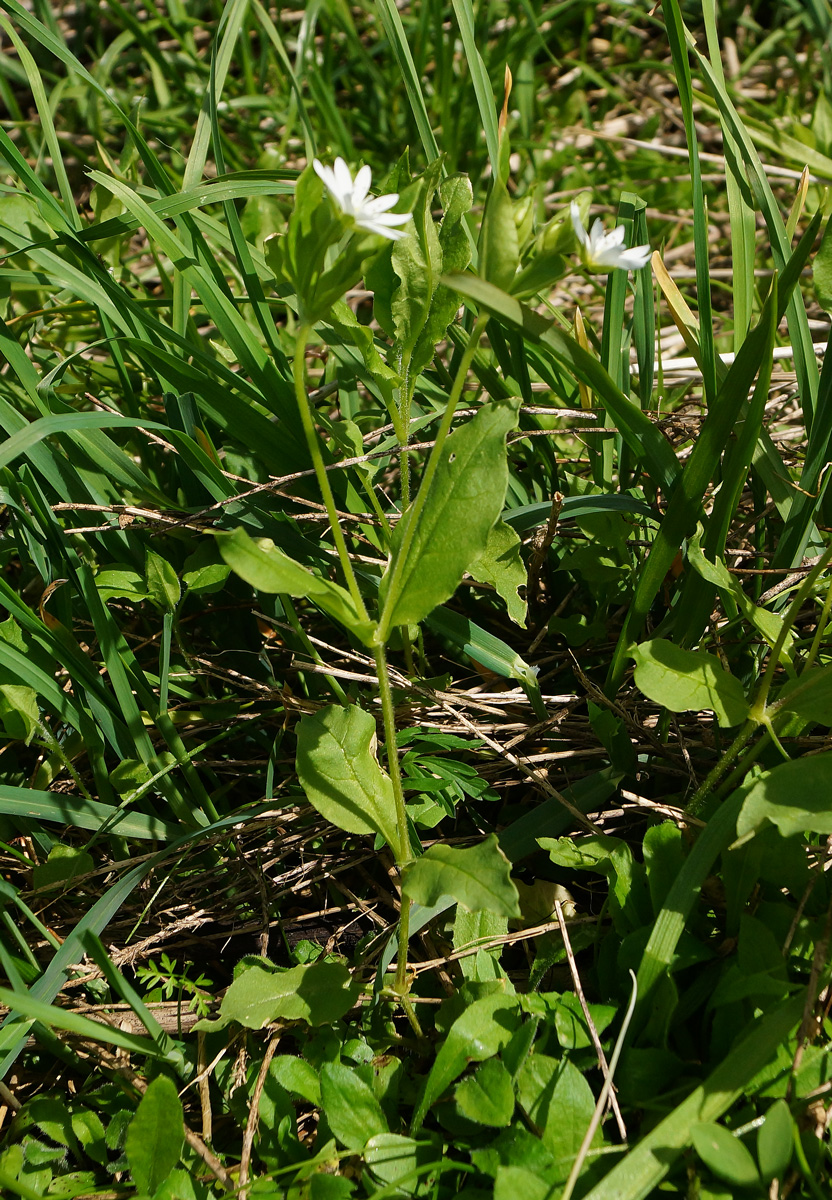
(577, 224)
(351, 195)
(343, 179)
(635, 258)
(361, 186)
(381, 203)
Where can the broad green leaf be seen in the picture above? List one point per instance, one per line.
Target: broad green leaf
(724, 1154)
(338, 769)
(513, 1183)
(203, 572)
(483, 1029)
(684, 680)
(120, 582)
(394, 1160)
(318, 993)
(451, 531)
(794, 796)
(487, 1096)
(19, 711)
(298, 1076)
(476, 928)
(52, 1118)
(478, 878)
(62, 865)
(559, 1100)
(352, 1110)
(163, 586)
(501, 564)
(267, 568)
(155, 1135)
(608, 856)
(775, 1141)
(810, 695)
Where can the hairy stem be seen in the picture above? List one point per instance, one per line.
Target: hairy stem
(308, 422)
(403, 849)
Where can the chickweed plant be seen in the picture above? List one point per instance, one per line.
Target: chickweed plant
(416, 429)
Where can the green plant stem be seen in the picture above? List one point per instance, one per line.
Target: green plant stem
(715, 774)
(405, 404)
(403, 850)
(414, 512)
(308, 422)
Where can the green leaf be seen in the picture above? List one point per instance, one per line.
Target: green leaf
(268, 569)
(394, 1160)
(822, 270)
(451, 531)
(338, 769)
(62, 865)
(353, 1112)
(155, 1135)
(19, 711)
(52, 1118)
(810, 695)
(560, 1102)
(318, 993)
(775, 1141)
(794, 796)
(499, 249)
(487, 1096)
(121, 582)
(683, 680)
(417, 260)
(478, 878)
(457, 197)
(514, 1182)
(163, 586)
(648, 1162)
(203, 572)
(724, 1154)
(768, 624)
(501, 564)
(483, 1029)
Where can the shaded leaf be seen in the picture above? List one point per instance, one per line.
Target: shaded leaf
(267, 568)
(353, 1112)
(155, 1135)
(487, 1096)
(338, 770)
(794, 796)
(502, 565)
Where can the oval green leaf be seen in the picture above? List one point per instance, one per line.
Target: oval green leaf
(338, 770)
(687, 680)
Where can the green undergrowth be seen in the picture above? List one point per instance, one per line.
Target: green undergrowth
(415, 684)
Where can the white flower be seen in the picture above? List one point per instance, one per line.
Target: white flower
(351, 195)
(603, 251)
